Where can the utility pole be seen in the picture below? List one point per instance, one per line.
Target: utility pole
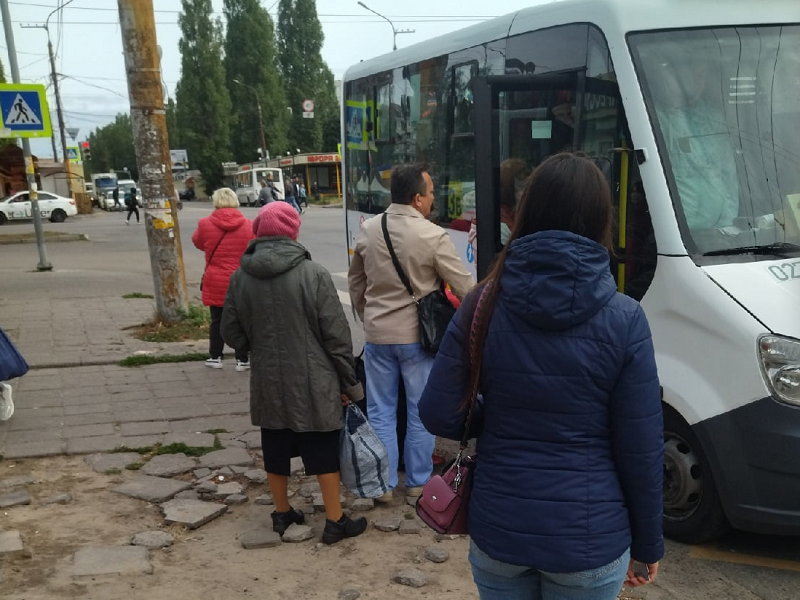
(260, 120)
(54, 76)
(138, 29)
(44, 264)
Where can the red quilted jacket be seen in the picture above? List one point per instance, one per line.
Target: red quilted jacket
(237, 231)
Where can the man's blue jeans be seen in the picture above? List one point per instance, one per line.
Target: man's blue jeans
(498, 580)
(384, 365)
(291, 200)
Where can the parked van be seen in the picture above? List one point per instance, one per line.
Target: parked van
(247, 183)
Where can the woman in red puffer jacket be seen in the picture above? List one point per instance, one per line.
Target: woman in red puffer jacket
(223, 236)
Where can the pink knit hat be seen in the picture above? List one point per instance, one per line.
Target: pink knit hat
(277, 219)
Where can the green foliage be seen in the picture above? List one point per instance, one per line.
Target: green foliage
(180, 447)
(193, 324)
(137, 295)
(125, 449)
(203, 104)
(134, 466)
(197, 315)
(112, 147)
(216, 431)
(113, 471)
(138, 361)
(306, 76)
(172, 125)
(251, 58)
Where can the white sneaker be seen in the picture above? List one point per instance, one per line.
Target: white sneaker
(127, 222)
(6, 404)
(214, 363)
(242, 365)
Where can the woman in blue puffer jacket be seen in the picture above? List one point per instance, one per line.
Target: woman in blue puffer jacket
(568, 486)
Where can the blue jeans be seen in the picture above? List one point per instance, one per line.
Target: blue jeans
(291, 200)
(498, 580)
(384, 365)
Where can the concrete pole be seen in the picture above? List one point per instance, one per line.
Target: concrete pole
(137, 25)
(44, 264)
(67, 167)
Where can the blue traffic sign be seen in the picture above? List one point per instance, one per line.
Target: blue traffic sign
(24, 111)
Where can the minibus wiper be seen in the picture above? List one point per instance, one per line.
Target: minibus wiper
(779, 249)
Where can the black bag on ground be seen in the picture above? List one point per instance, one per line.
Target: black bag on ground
(434, 311)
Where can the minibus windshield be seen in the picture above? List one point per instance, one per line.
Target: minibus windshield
(725, 105)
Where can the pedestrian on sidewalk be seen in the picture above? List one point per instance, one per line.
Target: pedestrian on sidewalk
(115, 196)
(223, 237)
(286, 308)
(303, 196)
(568, 489)
(133, 206)
(288, 191)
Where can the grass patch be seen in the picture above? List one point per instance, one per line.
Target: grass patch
(113, 472)
(134, 466)
(180, 447)
(138, 295)
(142, 450)
(192, 325)
(138, 361)
(215, 431)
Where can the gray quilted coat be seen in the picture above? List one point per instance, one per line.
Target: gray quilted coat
(286, 309)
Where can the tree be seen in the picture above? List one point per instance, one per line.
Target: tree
(172, 125)
(203, 103)
(251, 59)
(305, 74)
(112, 147)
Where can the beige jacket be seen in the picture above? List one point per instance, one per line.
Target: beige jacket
(427, 255)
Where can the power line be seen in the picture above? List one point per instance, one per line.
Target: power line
(359, 22)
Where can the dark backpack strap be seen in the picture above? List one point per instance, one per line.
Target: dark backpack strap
(395, 261)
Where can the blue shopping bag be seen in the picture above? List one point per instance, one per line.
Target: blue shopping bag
(12, 365)
(363, 459)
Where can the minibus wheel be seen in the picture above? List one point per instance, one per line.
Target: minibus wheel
(692, 508)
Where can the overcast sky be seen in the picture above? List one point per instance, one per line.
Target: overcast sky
(89, 48)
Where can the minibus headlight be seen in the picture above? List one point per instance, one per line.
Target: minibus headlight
(780, 362)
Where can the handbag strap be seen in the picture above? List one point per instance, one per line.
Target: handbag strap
(400, 272)
(210, 258)
(475, 360)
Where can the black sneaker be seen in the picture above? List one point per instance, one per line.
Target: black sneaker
(336, 531)
(282, 520)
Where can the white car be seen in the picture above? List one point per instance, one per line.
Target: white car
(18, 206)
(125, 187)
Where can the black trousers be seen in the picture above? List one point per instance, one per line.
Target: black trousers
(133, 210)
(215, 342)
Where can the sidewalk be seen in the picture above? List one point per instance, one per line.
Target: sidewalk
(76, 399)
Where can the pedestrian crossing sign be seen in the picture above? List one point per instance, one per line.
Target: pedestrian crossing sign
(24, 111)
(73, 153)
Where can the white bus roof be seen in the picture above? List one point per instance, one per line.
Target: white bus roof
(612, 16)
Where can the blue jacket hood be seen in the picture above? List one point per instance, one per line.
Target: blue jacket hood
(556, 279)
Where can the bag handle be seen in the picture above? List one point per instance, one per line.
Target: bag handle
(475, 360)
(395, 261)
(210, 258)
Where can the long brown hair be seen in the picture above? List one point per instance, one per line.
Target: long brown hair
(566, 192)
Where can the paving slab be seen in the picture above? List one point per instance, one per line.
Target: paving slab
(17, 498)
(195, 440)
(101, 463)
(260, 538)
(144, 428)
(192, 513)
(10, 542)
(256, 476)
(58, 499)
(228, 489)
(168, 465)
(153, 539)
(152, 489)
(84, 445)
(223, 458)
(297, 533)
(16, 481)
(251, 439)
(110, 560)
(234, 499)
(34, 449)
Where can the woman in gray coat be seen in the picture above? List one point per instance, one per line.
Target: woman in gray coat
(286, 309)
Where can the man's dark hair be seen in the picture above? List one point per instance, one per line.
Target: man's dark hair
(407, 182)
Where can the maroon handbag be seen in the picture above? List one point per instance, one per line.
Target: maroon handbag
(444, 503)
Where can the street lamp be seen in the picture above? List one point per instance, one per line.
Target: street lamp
(260, 120)
(394, 31)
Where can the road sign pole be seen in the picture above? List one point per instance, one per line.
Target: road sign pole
(148, 117)
(44, 264)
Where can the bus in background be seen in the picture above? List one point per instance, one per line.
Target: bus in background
(247, 183)
(692, 114)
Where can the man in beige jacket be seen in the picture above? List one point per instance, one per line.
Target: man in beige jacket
(382, 302)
